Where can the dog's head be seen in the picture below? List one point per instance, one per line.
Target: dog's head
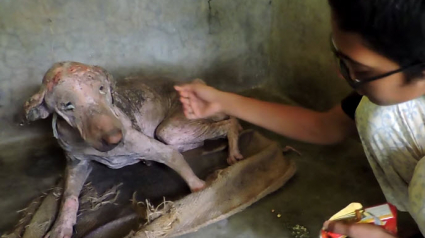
(82, 95)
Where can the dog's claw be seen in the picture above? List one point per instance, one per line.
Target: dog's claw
(60, 231)
(290, 149)
(234, 158)
(147, 162)
(197, 186)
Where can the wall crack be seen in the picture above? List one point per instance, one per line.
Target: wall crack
(209, 6)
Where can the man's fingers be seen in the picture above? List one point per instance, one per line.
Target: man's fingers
(195, 104)
(185, 101)
(183, 90)
(187, 110)
(186, 87)
(357, 230)
(180, 87)
(192, 104)
(184, 93)
(189, 107)
(336, 227)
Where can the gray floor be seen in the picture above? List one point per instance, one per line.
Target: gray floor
(328, 178)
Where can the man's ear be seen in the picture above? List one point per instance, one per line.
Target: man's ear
(35, 107)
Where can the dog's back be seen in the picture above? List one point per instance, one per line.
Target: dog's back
(146, 101)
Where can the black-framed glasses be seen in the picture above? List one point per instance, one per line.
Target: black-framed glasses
(355, 83)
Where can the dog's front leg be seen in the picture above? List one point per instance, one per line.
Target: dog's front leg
(176, 161)
(77, 172)
(169, 156)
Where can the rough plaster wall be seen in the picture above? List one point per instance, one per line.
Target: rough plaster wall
(302, 65)
(224, 42)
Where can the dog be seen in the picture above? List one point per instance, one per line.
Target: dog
(119, 124)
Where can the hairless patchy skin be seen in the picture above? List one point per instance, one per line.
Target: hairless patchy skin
(118, 125)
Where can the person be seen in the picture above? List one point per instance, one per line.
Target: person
(379, 46)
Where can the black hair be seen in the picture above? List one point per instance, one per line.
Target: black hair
(393, 28)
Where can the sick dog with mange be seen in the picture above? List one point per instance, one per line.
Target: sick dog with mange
(118, 125)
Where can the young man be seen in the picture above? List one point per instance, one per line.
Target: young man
(380, 49)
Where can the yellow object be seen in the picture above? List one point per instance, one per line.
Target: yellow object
(347, 211)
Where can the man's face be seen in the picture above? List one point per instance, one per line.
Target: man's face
(365, 63)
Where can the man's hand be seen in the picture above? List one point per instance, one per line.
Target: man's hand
(331, 127)
(357, 230)
(199, 100)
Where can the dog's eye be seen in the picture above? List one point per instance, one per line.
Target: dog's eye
(68, 106)
(101, 90)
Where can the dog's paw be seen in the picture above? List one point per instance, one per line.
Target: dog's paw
(63, 227)
(197, 186)
(147, 162)
(60, 230)
(234, 157)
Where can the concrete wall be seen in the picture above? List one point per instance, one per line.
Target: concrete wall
(302, 65)
(224, 42)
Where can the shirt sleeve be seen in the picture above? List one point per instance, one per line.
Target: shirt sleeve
(350, 103)
(417, 195)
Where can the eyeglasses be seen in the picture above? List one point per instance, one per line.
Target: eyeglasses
(355, 83)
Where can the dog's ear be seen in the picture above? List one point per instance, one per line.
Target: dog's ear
(35, 107)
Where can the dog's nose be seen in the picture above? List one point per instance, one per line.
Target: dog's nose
(112, 138)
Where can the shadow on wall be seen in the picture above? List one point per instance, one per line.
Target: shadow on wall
(302, 65)
(220, 74)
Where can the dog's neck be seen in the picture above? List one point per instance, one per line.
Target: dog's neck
(123, 110)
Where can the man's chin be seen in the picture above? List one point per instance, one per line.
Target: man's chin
(383, 102)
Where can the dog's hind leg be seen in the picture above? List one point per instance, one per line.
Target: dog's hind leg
(184, 134)
(77, 172)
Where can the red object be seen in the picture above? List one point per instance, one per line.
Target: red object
(387, 214)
